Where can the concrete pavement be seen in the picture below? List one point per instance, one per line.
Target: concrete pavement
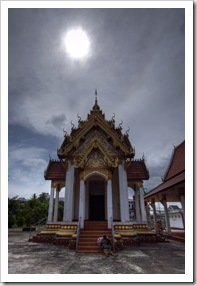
(35, 258)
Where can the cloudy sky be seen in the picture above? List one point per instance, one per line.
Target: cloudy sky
(136, 63)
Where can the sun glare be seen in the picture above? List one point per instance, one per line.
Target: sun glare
(77, 43)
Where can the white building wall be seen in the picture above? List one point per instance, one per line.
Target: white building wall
(176, 220)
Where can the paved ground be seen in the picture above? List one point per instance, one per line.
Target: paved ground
(32, 258)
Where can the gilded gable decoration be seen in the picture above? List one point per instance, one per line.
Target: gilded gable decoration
(109, 138)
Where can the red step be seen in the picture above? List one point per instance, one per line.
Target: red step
(89, 235)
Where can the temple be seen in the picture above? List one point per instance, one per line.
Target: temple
(95, 167)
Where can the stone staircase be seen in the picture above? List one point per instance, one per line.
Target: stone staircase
(89, 235)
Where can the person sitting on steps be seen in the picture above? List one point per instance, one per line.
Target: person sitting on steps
(107, 246)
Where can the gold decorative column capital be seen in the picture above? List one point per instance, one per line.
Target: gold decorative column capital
(81, 175)
(109, 175)
(138, 185)
(58, 184)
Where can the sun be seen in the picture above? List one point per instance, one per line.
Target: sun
(77, 43)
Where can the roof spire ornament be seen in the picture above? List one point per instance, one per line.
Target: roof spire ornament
(96, 97)
(96, 106)
(127, 132)
(120, 125)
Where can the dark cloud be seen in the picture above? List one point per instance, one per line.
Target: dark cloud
(57, 121)
(136, 62)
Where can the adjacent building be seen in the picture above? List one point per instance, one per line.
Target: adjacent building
(172, 188)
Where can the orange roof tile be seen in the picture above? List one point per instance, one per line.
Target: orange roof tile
(137, 170)
(177, 162)
(167, 184)
(55, 170)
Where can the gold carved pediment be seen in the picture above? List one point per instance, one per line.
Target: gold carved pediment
(96, 161)
(96, 120)
(97, 151)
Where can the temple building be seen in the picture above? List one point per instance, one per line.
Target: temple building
(94, 169)
(172, 188)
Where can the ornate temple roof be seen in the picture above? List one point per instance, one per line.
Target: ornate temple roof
(97, 133)
(96, 143)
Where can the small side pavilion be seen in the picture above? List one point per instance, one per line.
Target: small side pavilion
(172, 189)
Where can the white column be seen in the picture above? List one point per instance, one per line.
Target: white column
(142, 206)
(65, 201)
(137, 205)
(147, 213)
(109, 203)
(82, 203)
(126, 208)
(50, 210)
(56, 205)
(164, 203)
(68, 200)
(154, 213)
(183, 208)
(123, 190)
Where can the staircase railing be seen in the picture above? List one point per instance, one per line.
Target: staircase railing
(38, 224)
(78, 232)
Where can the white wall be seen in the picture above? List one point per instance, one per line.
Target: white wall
(176, 220)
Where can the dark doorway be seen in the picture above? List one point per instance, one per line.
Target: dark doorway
(97, 207)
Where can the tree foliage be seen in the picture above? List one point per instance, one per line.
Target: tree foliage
(28, 212)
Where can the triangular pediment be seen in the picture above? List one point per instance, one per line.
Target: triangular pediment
(106, 128)
(95, 147)
(96, 161)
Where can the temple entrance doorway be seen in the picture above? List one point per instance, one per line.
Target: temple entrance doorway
(97, 199)
(97, 208)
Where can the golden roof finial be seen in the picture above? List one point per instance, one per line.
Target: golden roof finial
(96, 106)
(96, 97)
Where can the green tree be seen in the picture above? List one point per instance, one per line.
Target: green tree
(27, 213)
